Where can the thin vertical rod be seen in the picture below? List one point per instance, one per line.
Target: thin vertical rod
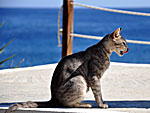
(67, 43)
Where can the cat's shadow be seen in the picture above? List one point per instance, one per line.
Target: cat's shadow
(124, 104)
(112, 104)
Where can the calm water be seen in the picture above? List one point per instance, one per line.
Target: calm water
(35, 33)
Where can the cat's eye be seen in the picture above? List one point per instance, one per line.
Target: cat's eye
(124, 43)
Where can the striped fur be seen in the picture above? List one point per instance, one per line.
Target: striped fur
(74, 74)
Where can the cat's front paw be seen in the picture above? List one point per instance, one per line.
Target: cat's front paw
(104, 106)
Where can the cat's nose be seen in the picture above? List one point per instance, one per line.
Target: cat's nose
(126, 51)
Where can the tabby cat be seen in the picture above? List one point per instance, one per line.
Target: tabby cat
(78, 72)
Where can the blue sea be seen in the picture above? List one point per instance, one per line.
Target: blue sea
(35, 34)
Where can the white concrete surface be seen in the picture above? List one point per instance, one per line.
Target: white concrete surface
(125, 87)
(61, 110)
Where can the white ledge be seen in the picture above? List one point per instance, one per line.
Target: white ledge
(63, 110)
(124, 86)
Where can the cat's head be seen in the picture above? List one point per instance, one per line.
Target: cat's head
(119, 43)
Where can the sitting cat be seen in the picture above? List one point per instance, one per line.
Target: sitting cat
(75, 73)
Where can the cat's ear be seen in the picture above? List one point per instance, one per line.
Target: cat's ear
(116, 34)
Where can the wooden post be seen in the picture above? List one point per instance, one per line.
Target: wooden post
(67, 40)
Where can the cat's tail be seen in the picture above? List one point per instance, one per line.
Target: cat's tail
(14, 107)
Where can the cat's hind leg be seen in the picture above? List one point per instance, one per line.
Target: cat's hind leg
(73, 92)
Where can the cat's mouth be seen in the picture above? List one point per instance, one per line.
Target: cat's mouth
(122, 52)
(126, 51)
